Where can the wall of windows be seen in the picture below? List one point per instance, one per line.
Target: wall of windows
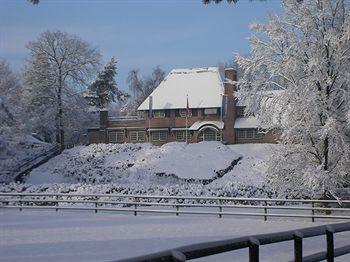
(137, 136)
(181, 135)
(209, 134)
(159, 136)
(158, 113)
(183, 112)
(116, 136)
(247, 134)
(211, 111)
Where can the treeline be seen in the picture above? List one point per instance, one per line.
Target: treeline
(62, 87)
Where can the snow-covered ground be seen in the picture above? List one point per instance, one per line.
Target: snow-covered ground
(197, 161)
(206, 168)
(85, 236)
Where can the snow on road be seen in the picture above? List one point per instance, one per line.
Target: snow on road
(85, 236)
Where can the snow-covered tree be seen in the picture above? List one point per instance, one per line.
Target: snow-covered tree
(306, 54)
(58, 64)
(141, 88)
(11, 110)
(103, 90)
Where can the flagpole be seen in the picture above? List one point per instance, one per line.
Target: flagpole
(186, 127)
(149, 130)
(187, 109)
(150, 108)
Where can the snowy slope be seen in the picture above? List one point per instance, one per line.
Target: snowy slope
(252, 168)
(112, 162)
(172, 169)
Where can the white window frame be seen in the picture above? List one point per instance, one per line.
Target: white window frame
(158, 113)
(140, 136)
(182, 112)
(116, 136)
(159, 136)
(202, 136)
(243, 134)
(210, 111)
(180, 135)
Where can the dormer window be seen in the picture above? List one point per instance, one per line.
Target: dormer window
(158, 113)
(182, 112)
(210, 111)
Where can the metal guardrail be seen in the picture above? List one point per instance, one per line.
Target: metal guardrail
(189, 205)
(254, 242)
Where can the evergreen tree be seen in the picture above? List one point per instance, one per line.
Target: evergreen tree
(103, 90)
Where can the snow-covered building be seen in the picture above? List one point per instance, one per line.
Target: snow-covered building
(197, 102)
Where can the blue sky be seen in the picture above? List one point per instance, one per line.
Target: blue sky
(139, 33)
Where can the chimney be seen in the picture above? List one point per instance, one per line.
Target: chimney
(103, 125)
(229, 88)
(230, 74)
(103, 118)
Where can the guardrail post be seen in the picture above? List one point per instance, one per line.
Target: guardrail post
(298, 246)
(20, 202)
(135, 206)
(220, 211)
(330, 243)
(95, 207)
(313, 211)
(254, 249)
(177, 207)
(265, 211)
(56, 203)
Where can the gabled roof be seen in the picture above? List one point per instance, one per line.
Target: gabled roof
(204, 87)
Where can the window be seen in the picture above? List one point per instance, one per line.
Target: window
(137, 136)
(252, 134)
(259, 135)
(240, 111)
(182, 112)
(240, 133)
(181, 135)
(159, 136)
(158, 114)
(210, 111)
(209, 134)
(116, 136)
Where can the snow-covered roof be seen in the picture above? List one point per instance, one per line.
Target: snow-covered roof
(267, 93)
(204, 87)
(158, 129)
(197, 125)
(246, 122)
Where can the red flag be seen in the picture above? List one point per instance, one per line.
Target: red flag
(187, 108)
